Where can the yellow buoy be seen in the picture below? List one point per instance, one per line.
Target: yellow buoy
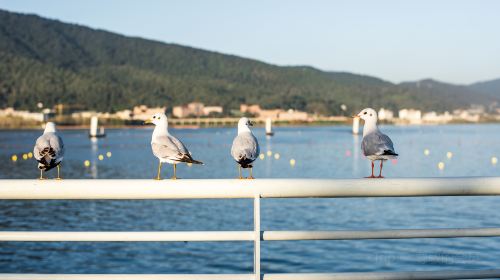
(86, 163)
(25, 156)
(262, 156)
(30, 154)
(13, 157)
(292, 162)
(100, 157)
(494, 160)
(108, 154)
(427, 152)
(277, 156)
(441, 165)
(269, 153)
(449, 155)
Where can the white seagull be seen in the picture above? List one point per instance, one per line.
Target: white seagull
(49, 150)
(166, 147)
(375, 144)
(245, 149)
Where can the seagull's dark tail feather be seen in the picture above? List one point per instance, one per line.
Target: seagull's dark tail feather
(196, 162)
(245, 162)
(390, 153)
(188, 159)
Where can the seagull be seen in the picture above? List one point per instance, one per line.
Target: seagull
(166, 147)
(375, 144)
(49, 150)
(245, 149)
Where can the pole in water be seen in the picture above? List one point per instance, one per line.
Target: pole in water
(269, 128)
(355, 126)
(93, 126)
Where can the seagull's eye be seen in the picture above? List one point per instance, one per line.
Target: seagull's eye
(370, 115)
(158, 117)
(154, 117)
(365, 113)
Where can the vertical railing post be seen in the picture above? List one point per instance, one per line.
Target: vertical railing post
(256, 242)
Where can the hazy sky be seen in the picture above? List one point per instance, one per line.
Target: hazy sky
(452, 41)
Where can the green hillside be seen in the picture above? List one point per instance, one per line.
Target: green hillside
(54, 62)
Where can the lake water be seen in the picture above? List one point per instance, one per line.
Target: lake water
(319, 152)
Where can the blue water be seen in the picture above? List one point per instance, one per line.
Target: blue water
(320, 152)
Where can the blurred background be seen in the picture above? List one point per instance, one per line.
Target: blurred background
(300, 69)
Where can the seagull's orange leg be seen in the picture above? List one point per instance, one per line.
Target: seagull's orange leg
(58, 173)
(159, 170)
(239, 170)
(372, 176)
(175, 172)
(381, 165)
(41, 175)
(251, 175)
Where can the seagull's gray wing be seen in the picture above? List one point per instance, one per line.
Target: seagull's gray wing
(376, 144)
(169, 147)
(49, 150)
(245, 149)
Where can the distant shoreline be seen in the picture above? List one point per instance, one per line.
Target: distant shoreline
(291, 124)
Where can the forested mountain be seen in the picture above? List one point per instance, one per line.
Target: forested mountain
(54, 62)
(489, 87)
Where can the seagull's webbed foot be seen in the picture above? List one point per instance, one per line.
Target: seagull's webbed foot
(250, 177)
(370, 177)
(380, 176)
(174, 178)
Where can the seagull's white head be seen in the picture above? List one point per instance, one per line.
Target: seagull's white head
(158, 119)
(50, 127)
(244, 125)
(367, 115)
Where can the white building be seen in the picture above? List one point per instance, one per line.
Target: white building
(385, 114)
(39, 117)
(433, 117)
(410, 115)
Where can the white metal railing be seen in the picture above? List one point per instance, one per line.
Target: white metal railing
(255, 189)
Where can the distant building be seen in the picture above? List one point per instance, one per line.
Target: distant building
(410, 115)
(274, 114)
(39, 117)
(143, 113)
(293, 115)
(467, 115)
(195, 109)
(212, 109)
(124, 115)
(251, 109)
(433, 117)
(385, 115)
(90, 114)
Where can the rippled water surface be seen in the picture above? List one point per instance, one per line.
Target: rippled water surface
(319, 152)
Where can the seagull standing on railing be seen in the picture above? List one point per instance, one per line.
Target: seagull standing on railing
(166, 147)
(375, 144)
(245, 149)
(49, 150)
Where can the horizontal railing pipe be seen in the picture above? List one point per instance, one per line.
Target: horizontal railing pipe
(232, 188)
(124, 236)
(126, 276)
(380, 234)
(211, 236)
(404, 275)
